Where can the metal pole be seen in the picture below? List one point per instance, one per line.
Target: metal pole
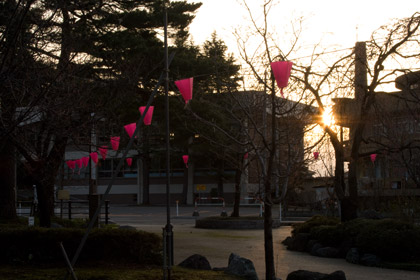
(168, 228)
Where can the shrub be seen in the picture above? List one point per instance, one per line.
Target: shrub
(391, 239)
(40, 245)
(328, 235)
(314, 222)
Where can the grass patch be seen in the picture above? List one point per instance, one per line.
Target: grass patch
(107, 273)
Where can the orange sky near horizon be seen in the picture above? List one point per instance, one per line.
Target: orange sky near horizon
(331, 21)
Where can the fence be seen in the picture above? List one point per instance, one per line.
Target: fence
(70, 209)
(211, 199)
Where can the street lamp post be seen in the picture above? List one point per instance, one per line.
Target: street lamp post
(167, 231)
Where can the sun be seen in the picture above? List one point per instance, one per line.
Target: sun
(328, 116)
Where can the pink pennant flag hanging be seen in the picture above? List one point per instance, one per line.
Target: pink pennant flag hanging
(185, 88)
(185, 158)
(316, 155)
(373, 157)
(103, 150)
(94, 157)
(71, 164)
(79, 163)
(130, 128)
(147, 120)
(129, 161)
(115, 142)
(246, 155)
(281, 71)
(85, 161)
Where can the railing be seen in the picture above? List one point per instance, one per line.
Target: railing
(70, 209)
(198, 199)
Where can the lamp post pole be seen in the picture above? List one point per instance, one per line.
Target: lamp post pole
(168, 233)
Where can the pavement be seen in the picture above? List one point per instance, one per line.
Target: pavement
(217, 245)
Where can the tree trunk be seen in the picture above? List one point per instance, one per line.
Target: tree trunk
(44, 173)
(220, 191)
(146, 168)
(237, 201)
(7, 181)
(185, 187)
(270, 273)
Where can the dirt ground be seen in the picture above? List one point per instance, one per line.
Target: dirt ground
(217, 245)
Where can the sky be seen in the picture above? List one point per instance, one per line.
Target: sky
(335, 22)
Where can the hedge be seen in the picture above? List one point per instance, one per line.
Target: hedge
(41, 245)
(390, 239)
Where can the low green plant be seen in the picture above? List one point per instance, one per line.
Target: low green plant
(315, 221)
(110, 273)
(41, 245)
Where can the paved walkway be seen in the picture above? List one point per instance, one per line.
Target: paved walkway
(216, 245)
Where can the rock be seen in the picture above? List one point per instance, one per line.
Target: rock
(314, 248)
(370, 260)
(310, 275)
(336, 275)
(196, 262)
(327, 252)
(353, 256)
(287, 241)
(299, 242)
(310, 245)
(241, 267)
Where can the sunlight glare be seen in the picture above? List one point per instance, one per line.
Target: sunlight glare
(328, 116)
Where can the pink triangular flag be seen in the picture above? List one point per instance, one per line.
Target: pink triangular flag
(316, 154)
(281, 71)
(79, 163)
(373, 157)
(185, 88)
(147, 120)
(94, 157)
(129, 161)
(185, 159)
(103, 150)
(130, 128)
(115, 142)
(85, 161)
(71, 164)
(246, 155)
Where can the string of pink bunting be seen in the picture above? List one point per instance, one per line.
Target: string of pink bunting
(94, 157)
(185, 87)
(71, 164)
(281, 71)
(147, 120)
(373, 157)
(316, 155)
(115, 142)
(85, 161)
(185, 159)
(130, 128)
(103, 150)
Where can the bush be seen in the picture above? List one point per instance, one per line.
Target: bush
(391, 240)
(328, 235)
(40, 245)
(314, 222)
